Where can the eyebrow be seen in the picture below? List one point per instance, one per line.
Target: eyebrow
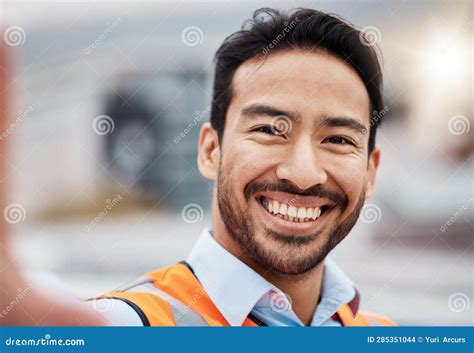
(350, 123)
(263, 109)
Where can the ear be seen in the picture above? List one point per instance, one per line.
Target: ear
(209, 153)
(373, 165)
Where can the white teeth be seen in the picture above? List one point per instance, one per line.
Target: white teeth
(283, 209)
(301, 214)
(292, 213)
(276, 206)
(316, 212)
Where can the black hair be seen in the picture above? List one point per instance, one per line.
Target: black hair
(306, 29)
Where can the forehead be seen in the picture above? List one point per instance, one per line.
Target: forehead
(308, 82)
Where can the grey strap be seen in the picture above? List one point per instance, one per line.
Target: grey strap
(183, 314)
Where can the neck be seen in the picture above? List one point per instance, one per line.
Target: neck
(304, 290)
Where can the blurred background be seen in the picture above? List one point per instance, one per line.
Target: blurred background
(108, 101)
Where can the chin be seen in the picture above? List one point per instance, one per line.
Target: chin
(289, 255)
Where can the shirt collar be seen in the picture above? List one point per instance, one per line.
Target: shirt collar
(228, 281)
(336, 289)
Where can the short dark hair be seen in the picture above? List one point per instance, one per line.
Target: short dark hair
(307, 29)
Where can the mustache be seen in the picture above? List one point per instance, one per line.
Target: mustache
(284, 186)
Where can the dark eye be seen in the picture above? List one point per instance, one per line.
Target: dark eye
(269, 130)
(339, 140)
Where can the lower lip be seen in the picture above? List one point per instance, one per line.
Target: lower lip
(281, 225)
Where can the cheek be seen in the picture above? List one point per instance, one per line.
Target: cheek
(349, 174)
(243, 162)
(249, 157)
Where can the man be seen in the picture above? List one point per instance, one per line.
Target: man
(291, 148)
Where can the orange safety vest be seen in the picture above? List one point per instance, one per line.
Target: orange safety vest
(173, 296)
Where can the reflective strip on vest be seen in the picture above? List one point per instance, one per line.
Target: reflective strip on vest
(375, 319)
(183, 315)
(372, 321)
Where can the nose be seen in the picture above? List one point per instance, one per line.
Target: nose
(301, 165)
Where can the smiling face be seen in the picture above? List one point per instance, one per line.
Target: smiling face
(293, 170)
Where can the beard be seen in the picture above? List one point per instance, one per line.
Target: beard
(292, 255)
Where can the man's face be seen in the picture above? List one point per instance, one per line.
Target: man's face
(293, 165)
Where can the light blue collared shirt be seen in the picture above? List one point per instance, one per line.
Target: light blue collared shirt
(237, 290)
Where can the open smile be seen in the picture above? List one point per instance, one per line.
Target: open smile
(292, 214)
